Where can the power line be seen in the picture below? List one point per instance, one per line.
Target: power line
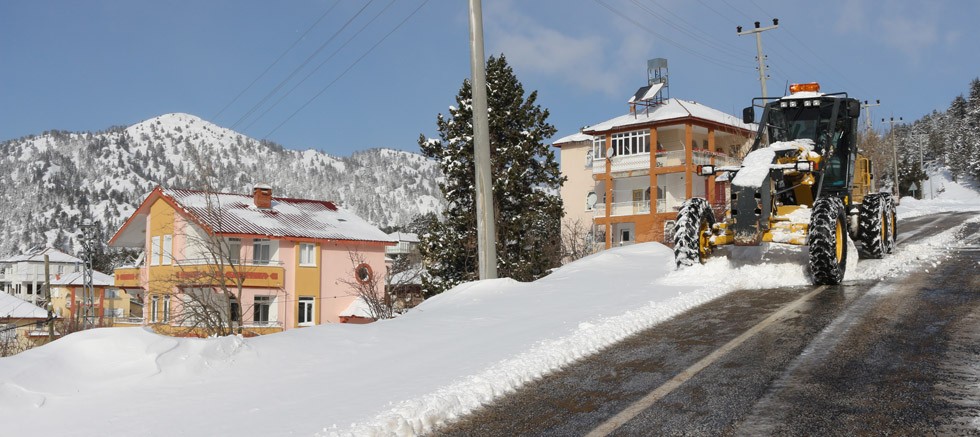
(322, 63)
(718, 62)
(722, 47)
(293, 45)
(352, 65)
(301, 66)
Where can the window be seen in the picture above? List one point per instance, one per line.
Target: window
(599, 146)
(166, 309)
(305, 316)
(631, 143)
(261, 309)
(234, 249)
(168, 249)
(235, 309)
(260, 251)
(363, 273)
(154, 304)
(155, 249)
(307, 254)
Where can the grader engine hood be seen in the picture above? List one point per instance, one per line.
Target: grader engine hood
(753, 188)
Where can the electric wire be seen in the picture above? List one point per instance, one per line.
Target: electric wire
(718, 62)
(320, 65)
(282, 55)
(349, 68)
(301, 66)
(723, 47)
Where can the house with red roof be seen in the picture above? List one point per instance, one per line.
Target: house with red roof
(274, 263)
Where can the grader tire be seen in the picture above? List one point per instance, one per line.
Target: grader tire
(691, 232)
(873, 222)
(827, 240)
(891, 223)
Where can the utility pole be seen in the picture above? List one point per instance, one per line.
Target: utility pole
(88, 289)
(891, 135)
(47, 297)
(758, 46)
(867, 115)
(486, 232)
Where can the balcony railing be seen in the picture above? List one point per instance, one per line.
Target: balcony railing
(623, 208)
(672, 158)
(669, 205)
(640, 161)
(128, 320)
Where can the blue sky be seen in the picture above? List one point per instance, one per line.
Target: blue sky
(89, 65)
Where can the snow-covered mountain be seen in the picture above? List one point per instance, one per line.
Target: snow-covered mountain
(49, 181)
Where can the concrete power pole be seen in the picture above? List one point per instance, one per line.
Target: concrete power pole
(867, 114)
(758, 46)
(486, 232)
(891, 135)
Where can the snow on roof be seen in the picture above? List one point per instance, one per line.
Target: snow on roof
(78, 278)
(358, 308)
(236, 214)
(15, 308)
(670, 110)
(54, 255)
(576, 137)
(404, 236)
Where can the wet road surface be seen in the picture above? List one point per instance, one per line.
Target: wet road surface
(892, 358)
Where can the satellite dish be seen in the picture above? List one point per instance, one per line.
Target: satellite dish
(591, 199)
(610, 152)
(588, 160)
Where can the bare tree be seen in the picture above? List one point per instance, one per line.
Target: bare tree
(403, 284)
(11, 342)
(366, 286)
(576, 240)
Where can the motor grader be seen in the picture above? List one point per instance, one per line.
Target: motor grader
(803, 183)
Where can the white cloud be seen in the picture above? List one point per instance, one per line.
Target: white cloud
(912, 28)
(611, 63)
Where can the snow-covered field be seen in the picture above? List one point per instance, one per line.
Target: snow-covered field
(403, 376)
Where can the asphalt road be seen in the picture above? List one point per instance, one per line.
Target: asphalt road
(897, 357)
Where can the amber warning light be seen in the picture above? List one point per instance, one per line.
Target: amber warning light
(800, 87)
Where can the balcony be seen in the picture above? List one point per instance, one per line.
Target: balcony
(623, 208)
(264, 274)
(640, 161)
(673, 158)
(128, 277)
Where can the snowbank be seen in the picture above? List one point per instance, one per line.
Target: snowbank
(453, 353)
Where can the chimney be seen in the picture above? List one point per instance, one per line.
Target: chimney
(262, 195)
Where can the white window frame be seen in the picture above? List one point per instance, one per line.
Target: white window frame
(272, 313)
(155, 248)
(308, 302)
(234, 250)
(168, 249)
(166, 309)
(256, 244)
(307, 254)
(154, 305)
(599, 147)
(631, 143)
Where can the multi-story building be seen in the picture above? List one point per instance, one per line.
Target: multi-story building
(290, 262)
(629, 175)
(22, 276)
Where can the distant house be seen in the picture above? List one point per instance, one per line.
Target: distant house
(111, 305)
(22, 325)
(628, 176)
(408, 244)
(295, 258)
(22, 276)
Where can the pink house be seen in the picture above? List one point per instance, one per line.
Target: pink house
(278, 263)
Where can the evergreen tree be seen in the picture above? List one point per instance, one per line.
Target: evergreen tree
(525, 178)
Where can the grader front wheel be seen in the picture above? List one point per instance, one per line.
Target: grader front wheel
(692, 233)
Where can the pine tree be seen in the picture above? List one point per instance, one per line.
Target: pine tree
(526, 180)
